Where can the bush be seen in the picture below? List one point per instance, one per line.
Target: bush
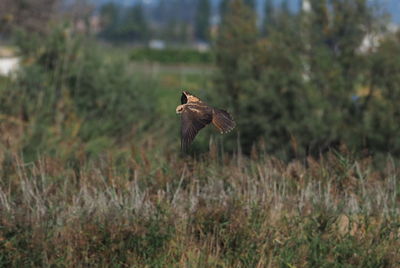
(69, 93)
(172, 56)
(299, 90)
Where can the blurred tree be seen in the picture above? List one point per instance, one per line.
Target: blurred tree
(285, 6)
(223, 6)
(176, 24)
(32, 15)
(182, 34)
(235, 51)
(251, 4)
(160, 11)
(268, 16)
(299, 88)
(171, 32)
(277, 107)
(380, 105)
(79, 12)
(71, 92)
(128, 25)
(134, 25)
(336, 69)
(203, 20)
(109, 16)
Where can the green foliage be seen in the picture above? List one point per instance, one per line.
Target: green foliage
(109, 14)
(172, 56)
(134, 25)
(380, 108)
(68, 92)
(203, 17)
(124, 25)
(251, 4)
(223, 6)
(302, 87)
(235, 51)
(268, 16)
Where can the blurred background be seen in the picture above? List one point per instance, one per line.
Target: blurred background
(79, 78)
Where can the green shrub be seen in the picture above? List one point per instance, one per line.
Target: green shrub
(306, 87)
(172, 56)
(69, 92)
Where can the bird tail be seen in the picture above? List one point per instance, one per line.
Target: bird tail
(223, 121)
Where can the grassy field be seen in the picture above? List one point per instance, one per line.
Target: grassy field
(161, 210)
(76, 192)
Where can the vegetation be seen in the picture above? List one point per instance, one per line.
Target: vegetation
(203, 17)
(308, 81)
(31, 15)
(172, 56)
(159, 210)
(124, 25)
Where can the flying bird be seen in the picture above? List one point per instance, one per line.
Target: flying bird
(196, 114)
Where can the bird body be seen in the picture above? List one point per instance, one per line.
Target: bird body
(196, 114)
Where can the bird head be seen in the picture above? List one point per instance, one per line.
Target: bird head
(179, 109)
(188, 97)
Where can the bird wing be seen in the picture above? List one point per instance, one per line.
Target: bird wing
(222, 120)
(193, 120)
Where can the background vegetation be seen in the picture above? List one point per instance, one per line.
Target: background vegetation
(172, 56)
(90, 168)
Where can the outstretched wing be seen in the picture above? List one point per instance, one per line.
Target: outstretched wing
(193, 120)
(223, 121)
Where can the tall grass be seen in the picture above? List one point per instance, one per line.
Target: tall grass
(218, 210)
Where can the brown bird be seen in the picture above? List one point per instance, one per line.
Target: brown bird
(196, 114)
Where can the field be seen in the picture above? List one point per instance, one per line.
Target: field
(94, 178)
(137, 202)
(161, 210)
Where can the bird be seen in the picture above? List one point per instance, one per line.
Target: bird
(196, 114)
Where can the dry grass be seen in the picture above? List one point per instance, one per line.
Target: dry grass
(156, 210)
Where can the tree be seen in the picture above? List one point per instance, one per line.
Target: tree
(203, 20)
(299, 88)
(277, 107)
(235, 50)
(134, 25)
(380, 109)
(268, 16)
(285, 7)
(124, 25)
(223, 6)
(109, 16)
(251, 4)
(32, 16)
(160, 11)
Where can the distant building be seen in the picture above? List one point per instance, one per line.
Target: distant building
(9, 63)
(202, 46)
(157, 44)
(305, 5)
